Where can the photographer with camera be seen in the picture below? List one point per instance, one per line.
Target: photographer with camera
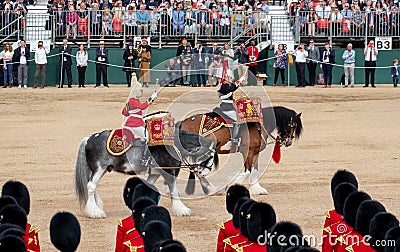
(243, 59)
(301, 58)
(370, 54)
(172, 74)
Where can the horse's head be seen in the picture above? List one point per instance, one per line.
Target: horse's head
(291, 130)
(206, 161)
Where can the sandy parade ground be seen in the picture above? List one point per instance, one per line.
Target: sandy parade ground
(355, 129)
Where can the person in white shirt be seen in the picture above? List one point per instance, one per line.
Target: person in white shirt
(41, 63)
(22, 55)
(8, 65)
(301, 58)
(81, 64)
(370, 54)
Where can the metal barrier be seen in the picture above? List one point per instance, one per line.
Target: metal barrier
(12, 25)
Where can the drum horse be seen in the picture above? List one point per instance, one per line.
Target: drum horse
(253, 135)
(188, 150)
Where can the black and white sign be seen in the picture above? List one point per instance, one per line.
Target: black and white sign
(383, 43)
(288, 46)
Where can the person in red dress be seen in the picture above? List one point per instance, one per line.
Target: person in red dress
(227, 229)
(133, 110)
(20, 193)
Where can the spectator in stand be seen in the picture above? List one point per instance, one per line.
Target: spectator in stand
(215, 21)
(72, 22)
(249, 23)
(214, 60)
(203, 21)
(358, 22)
(41, 63)
(328, 58)
(349, 57)
(154, 21)
(243, 60)
(106, 3)
(101, 65)
(224, 8)
(265, 6)
(60, 21)
(106, 22)
(143, 19)
(347, 15)
(130, 55)
(301, 57)
(370, 54)
(22, 55)
(81, 64)
(280, 64)
(225, 24)
(199, 64)
(8, 65)
(82, 10)
(118, 10)
(312, 59)
(336, 20)
(7, 17)
(178, 20)
(237, 22)
(96, 20)
(151, 5)
(165, 23)
(7, 2)
(190, 19)
(253, 57)
(311, 21)
(20, 10)
(131, 21)
(323, 11)
(394, 21)
(260, 18)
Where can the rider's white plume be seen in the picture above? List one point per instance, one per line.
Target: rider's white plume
(136, 90)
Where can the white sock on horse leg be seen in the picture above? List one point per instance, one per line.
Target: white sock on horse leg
(255, 187)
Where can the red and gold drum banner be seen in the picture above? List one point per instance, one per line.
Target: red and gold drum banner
(249, 109)
(161, 130)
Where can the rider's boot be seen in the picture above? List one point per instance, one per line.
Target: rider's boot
(236, 140)
(146, 157)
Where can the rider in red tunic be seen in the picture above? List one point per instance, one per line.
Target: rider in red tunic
(133, 110)
(227, 229)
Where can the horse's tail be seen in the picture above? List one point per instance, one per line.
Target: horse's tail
(216, 161)
(82, 174)
(190, 187)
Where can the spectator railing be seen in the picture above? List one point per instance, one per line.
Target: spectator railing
(350, 24)
(12, 25)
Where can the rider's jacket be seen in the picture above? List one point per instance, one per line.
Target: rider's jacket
(133, 109)
(225, 93)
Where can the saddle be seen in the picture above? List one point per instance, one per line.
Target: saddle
(119, 141)
(213, 121)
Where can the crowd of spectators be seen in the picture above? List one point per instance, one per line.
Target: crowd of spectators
(170, 18)
(346, 17)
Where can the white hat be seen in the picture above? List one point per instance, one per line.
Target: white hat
(102, 42)
(137, 87)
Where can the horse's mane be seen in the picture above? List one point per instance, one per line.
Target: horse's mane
(282, 118)
(212, 114)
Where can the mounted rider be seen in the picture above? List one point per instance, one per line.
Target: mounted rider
(133, 111)
(225, 93)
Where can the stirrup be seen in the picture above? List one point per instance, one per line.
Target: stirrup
(237, 142)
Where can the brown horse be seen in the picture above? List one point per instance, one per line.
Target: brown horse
(254, 137)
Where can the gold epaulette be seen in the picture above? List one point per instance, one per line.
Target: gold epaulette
(350, 248)
(228, 240)
(132, 248)
(328, 230)
(34, 229)
(341, 238)
(221, 225)
(328, 214)
(119, 223)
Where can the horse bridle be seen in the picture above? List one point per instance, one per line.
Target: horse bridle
(290, 134)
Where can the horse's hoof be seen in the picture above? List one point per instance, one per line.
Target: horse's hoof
(258, 190)
(95, 213)
(179, 209)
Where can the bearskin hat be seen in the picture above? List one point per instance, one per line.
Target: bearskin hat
(392, 235)
(13, 214)
(170, 246)
(65, 232)
(233, 194)
(11, 229)
(137, 209)
(260, 218)
(154, 232)
(351, 205)
(367, 210)
(7, 200)
(12, 243)
(129, 189)
(155, 213)
(380, 224)
(281, 230)
(243, 216)
(236, 211)
(340, 177)
(19, 192)
(145, 190)
(339, 196)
